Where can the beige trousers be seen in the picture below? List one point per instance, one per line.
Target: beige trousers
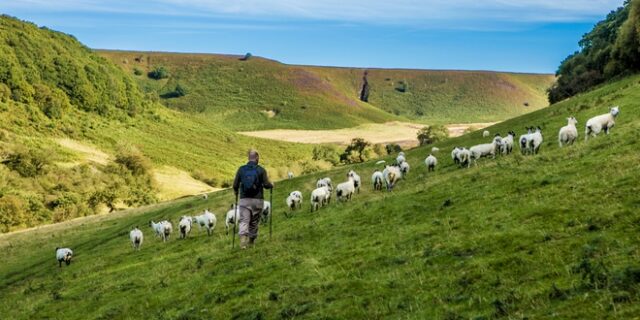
(250, 212)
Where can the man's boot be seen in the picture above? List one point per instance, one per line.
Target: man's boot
(252, 241)
(244, 240)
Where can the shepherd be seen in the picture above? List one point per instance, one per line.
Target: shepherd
(249, 183)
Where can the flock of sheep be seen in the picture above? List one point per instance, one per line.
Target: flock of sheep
(321, 196)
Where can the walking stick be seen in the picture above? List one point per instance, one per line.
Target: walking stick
(235, 222)
(271, 213)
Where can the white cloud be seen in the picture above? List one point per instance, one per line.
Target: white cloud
(411, 12)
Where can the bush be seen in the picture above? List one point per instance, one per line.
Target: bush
(432, 134)
(52, 101)
(246, 57)
(327, 153)
(354, 152)
(393, 148)
(5, 93)
(29, 163)
(201, 176)
(137, 71)
(180, 91)
(158, 73)
(12, 212)
(133, 160)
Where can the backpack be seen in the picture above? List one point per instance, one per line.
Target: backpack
(250, 181)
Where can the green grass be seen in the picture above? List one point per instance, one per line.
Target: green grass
(235, 93)
(546, 236)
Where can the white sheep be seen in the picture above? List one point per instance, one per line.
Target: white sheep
(136, 237)
(401, 153)
(163, 229)
(265, 215)
(525, 141)
(325, 182)
(536, 141)
(207, 220)
(356, 180)
(400, 159)
(294, 200)
(233, 216)
(185, 226)
(485, 150)
(602, 122)
(464, 157)
(64, 254)
(507, 143)
(404, 168)
(392, 175)
(205, 196)
(377, 179)
(290, 175)
(431, 163)
(345, 190)
(569, 133)
(486, 134)
(435, 149)
(319, 198)
(454, 155)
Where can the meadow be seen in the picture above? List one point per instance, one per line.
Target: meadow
(546, 236)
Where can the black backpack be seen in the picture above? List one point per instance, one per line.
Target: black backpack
(250, 181)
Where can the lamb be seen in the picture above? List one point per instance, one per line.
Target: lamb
(233, 215)
(569, 133)
(64, 254)
(163, 229)
(325, 182)
(320, 197)
(345, 190)
(400, 159)
(404, 168)
(486, 134)
(464, 157)
(484, 150)
(454, 155)
(207, 220)
(356, 180)
(507, 143)
(602, 122)
(136, 238)
(294, 200)
(265, 215)
(185, 226)
(392, 175)
(536, 141)
(431, 162)
(377, 179)
(205, 196)
(290, 175)
(525, 141)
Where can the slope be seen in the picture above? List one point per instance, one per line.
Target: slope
(546, 236)
(262, 94)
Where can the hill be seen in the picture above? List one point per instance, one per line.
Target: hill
(545, 236)
(259, 94)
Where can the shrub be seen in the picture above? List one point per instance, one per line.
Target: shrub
(27, 163)
(159, 73)
(108, 196)
(5, 93)
(52, 101)
(327, 153)
(132, 159)
(432, 134)
(202, 176)
(393, 148)
(354, 152)
(137, 71)
(12, 212)
(246, 57)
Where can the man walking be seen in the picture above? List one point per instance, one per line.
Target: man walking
(250, 181)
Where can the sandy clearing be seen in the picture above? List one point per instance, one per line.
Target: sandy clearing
(174, 183)
(88, 152)
(402, 133)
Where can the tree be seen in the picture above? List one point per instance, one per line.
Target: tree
(393, 148)
(246, 57)
(626, 51)
(159, 73)
(364, 93)
(327, 153)
(355, 151)
(432, 134)
(180, 91)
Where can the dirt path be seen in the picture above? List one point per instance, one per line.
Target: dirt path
(402, 133)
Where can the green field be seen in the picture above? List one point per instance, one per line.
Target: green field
(536, 237)
(238, 93)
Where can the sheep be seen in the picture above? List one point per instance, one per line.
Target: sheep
(454, 155)
(602, 122)
(185, 226)
(377, 179)
(404, 168)
(486, 134)
(507, 143)
(356, 180)
(265, 215)
(136, 237)
(484, 150)
(569, 133)
(536, 141)
(525, 141)
(294, 200)
(400, 159)
(435, 149)
(464, 157)
(163, 229)
(205, 196)
(325, 182)
(207, 220)
(290, 175)
(345, 190)
(392, 175)
(64, 254)
(319, 197)
(233, 216)
(401, 153)
(431, 162)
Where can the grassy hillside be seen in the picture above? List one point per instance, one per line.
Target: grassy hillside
(546, 236)
(240, 94)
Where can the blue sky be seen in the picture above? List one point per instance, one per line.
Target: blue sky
(503, 35)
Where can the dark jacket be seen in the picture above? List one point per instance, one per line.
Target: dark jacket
(263, 180)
